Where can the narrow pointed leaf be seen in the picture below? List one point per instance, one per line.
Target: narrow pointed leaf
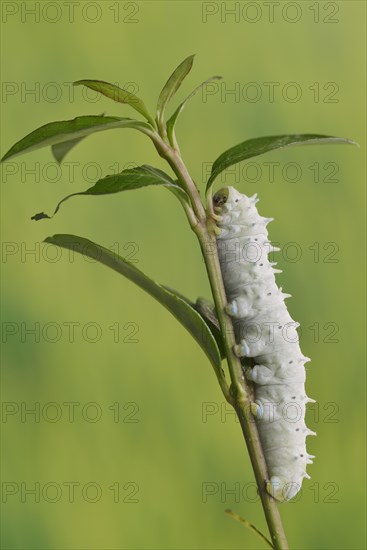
(172, 85)
(172, 121)
(207, 311)
(117, 94)
(133, 178)
(176, 304)
(259, 146)
(250, 526)
(68, 130)
(179, 192)
(60, 150)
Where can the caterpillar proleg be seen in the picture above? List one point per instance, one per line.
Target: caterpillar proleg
(266, 332)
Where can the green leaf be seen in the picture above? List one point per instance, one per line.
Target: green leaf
(207, 311)
(259, 146)
(133, 178)
(172, 121)
(176, 304)
(179, 193)
(60, 150)
(172, 85)
(117, 94)
(71, 130)
(250, 526)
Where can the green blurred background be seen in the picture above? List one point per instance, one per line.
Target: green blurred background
(174, 450)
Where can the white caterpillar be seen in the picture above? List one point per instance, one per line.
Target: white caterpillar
(266, 332)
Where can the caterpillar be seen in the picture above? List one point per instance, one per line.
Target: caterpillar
(264, 331)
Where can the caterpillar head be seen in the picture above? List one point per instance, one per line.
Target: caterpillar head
(226, 199)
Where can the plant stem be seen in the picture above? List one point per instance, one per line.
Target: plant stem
(240, 389)
(175, 161)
